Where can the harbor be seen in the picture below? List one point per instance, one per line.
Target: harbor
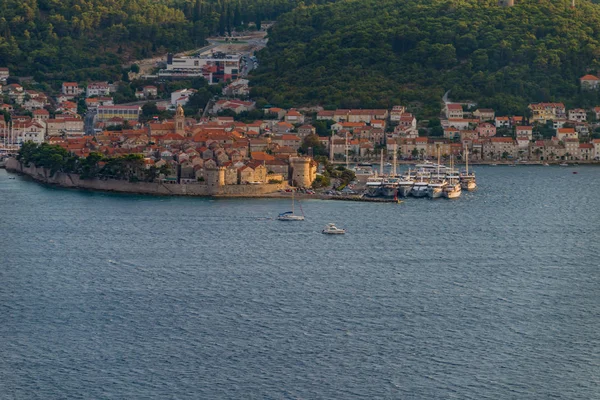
(426, 180)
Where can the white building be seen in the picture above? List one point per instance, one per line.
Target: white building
(4, 74)
(214, 67)
(577, 115)
(181, 97)
(97, 89)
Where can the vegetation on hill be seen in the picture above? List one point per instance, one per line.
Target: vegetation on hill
(377, 53)
(79, 40)
(95, 165)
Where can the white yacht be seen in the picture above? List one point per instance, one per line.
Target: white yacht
(390, 187)
(331, 229)
(374, 186)
(405, 185)
(430, 166)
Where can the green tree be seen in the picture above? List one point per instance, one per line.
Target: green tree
(312, 141)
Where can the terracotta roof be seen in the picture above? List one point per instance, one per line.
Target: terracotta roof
(589, 78)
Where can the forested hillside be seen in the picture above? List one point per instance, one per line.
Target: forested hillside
(371, 53)
(80, 39)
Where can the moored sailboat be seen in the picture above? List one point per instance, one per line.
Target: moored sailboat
(453, 189)
(290, 215)
(467, 180)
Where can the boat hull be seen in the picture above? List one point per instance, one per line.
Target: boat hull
(469, 186)
(291, 218)
(404, 191)
(434, 193)
(418, 193)
(452, 194)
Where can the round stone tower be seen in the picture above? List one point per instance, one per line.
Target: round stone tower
(302, 171)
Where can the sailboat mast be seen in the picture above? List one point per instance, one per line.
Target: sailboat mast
(346, 150)
(293, 191)
(395, 159)
(467, 157)
(381, 164)
(438, 166)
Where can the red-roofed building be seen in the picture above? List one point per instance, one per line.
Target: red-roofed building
(453, 110)
(294, 117)
(566, 133)
(589, 82)
(486, 130)
(586, 151)
(70, 89)
(524, 131)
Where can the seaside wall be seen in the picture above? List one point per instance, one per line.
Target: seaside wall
(111, 185)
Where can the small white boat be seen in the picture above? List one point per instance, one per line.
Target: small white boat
(546, 165)
(331, 229)
(563, 164)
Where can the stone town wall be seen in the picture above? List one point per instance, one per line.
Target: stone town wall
(111, 185)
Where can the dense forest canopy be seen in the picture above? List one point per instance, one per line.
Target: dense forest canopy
(376, 53)
(88, 39)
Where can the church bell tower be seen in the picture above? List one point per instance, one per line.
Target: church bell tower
(180, 121)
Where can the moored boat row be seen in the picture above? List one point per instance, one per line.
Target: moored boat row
(432, 180)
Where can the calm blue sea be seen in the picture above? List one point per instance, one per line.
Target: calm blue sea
(493, 296)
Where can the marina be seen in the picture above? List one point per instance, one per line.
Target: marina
(426, 180)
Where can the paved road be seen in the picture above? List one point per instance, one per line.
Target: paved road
(88, 122)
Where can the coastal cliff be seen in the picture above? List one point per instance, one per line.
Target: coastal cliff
(153, 188)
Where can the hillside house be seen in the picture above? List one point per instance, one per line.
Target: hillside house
(566, 133)
(589, 82)
(70, 89)
(97, 89)
(484, 114)
(454, 111)
(577, 115)
(542, 112)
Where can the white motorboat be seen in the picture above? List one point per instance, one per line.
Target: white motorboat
(331, 229)
(563, 164)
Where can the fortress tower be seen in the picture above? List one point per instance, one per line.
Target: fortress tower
(215, 176)
(304, 171)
